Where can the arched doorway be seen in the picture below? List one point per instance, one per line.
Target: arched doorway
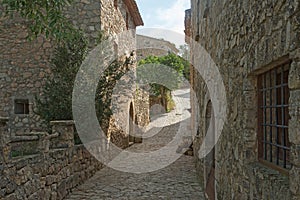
(131, 124)
(209, 163)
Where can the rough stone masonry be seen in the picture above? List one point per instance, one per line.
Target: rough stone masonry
(250, 41)
(25, 64)
(58, 165)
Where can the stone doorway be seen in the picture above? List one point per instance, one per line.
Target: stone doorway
(131, 124)
(209, 163)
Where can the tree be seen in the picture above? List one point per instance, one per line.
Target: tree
(172, 78)
(56, 100)
(45, 16)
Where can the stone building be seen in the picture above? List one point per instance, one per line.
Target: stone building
(256, 46)
(153, 47)
(25, 65)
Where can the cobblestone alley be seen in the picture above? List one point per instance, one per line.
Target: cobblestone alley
(176, 181)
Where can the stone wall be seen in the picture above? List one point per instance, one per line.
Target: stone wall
(148, 46)
(121, 21)
(141, 105)
(188, 23)
(25, 65)
(122, 98)
(113, 19)
(141, 113)
(4, 140)
(47, 176)
(130, 106)
(52, 172)
(86, 16)
(58, 165)
(245, 39)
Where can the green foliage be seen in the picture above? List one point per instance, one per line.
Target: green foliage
(160, 70)
(172, 77)
(173, 61)
(106, 84)
(150, 60)
(57, 92)
(56, 100)
(44, 16)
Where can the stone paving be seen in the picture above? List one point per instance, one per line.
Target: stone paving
(176, 181)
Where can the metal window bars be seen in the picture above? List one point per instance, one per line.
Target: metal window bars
(273, 116)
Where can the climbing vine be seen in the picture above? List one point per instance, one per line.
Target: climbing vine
(45, 17)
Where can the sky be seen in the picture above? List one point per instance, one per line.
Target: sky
(163, 19)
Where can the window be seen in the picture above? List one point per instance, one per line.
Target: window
(21, 106)
(273, 116)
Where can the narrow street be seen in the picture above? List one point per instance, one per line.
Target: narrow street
(176, 181)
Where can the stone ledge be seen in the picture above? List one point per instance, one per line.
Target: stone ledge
(24, 138)
(62, 122)
(265, 171)
(265, 181)
(20, 162)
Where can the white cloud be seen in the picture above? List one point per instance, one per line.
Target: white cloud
(162, 20)
(172, 18)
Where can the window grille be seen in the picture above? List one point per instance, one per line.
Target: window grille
(273, 117)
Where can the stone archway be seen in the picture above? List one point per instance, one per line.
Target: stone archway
(209, 163)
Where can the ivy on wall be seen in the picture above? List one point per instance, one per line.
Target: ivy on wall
(45, 17)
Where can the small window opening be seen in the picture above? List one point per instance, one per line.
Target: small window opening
(22, 106)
